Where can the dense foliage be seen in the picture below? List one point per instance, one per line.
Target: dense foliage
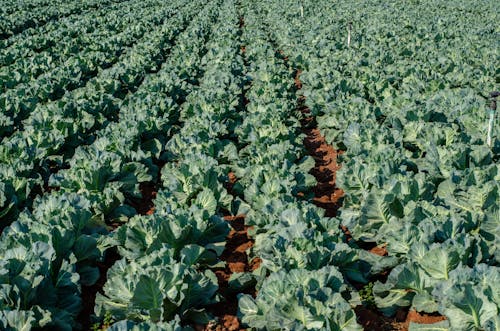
(102, 99)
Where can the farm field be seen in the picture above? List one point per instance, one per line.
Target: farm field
(249, 165)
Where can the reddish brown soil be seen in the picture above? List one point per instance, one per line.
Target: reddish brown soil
(347, 233)
(238, 242)
(326, 194)
(149, 190)
(298, 86)
(380, 250)
(422, 318)
(231, 181)
(374, 320)
(236, 258)
(283, 55)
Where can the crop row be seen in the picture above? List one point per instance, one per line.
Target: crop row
(299, 284)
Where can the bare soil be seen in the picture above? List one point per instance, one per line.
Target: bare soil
(372, 320)
(326, 194)
(237, 260)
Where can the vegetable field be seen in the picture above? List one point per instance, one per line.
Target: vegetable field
(259, 165)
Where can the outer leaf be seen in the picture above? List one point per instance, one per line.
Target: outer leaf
(148, 296)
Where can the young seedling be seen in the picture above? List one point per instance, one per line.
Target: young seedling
(492, 110)
(349, 29)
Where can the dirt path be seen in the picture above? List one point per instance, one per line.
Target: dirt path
(237, 260)
(326, 194)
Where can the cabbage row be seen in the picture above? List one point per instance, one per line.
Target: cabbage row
(165, 271)
(42, 37)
